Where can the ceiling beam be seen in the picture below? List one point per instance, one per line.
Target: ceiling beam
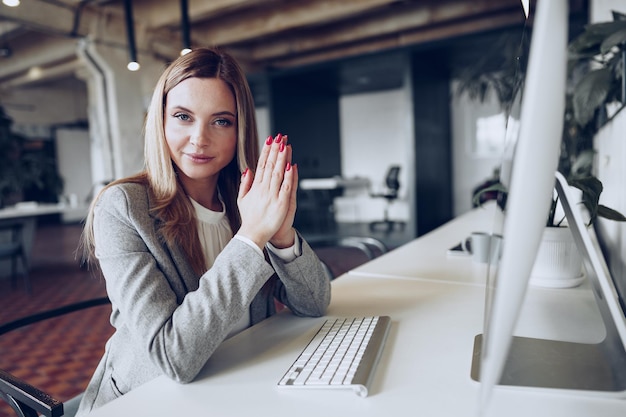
(255, 24)
(47, 51)
(405, 26)
(45, 74)
(409, 38)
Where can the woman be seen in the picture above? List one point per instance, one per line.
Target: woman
(200, 244)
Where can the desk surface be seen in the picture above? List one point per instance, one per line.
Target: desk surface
(333, 183)
(424, 369)
(426, 258)
(17, 212)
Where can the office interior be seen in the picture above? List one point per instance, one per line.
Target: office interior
(358, 88)
(352, 106)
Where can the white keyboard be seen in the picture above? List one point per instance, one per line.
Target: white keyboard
(343, 354)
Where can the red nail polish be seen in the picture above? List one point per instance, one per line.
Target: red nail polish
(288, 167)
(282, 146)
(244, 172)
(269, 140)
(279, 138)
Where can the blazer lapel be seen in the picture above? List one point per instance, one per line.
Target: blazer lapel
(186, 279)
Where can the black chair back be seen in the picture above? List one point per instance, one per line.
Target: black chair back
(392, 181)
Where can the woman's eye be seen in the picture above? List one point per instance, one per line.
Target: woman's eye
(182, 116)
(223, 122)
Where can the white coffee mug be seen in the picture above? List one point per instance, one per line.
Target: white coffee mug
(484, 247)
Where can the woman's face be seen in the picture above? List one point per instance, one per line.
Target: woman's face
(200, 125)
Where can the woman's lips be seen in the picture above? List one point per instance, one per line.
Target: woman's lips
(198, 158)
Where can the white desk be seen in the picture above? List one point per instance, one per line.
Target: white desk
(27, 214)
(424, 369)
(333, 183)
(29, 211)
(425, 257)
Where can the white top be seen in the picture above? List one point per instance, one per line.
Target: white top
(215, 233)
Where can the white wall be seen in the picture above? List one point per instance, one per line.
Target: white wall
(474, 157)
(74, 162)
(37, 108)
(376, 132)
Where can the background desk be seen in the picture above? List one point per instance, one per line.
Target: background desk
(28, 215)
(424, 369)
(426, 258)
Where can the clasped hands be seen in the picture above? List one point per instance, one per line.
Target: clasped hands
(267, 197)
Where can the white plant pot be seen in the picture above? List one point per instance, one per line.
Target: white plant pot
(558, 263)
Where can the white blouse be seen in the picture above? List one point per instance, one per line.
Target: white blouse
(215, 233)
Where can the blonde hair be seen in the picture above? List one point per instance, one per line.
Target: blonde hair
(172, 206)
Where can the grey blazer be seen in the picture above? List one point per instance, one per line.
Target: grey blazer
(167, 319)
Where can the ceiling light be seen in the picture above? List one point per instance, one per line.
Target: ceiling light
(35, 73)
(11, 3)
(184, 27)
(133, 65)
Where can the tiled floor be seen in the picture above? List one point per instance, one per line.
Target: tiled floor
(59, 355)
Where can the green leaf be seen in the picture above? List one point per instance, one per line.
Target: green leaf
(605, 29)
(617, 16)
(591, 188)
(586, 44)
(593, 36)
(616, 39)
(590, 93)
(609, 213)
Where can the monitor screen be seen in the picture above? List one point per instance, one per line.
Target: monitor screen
(528, 172)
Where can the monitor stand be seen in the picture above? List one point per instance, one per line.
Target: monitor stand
(594, 367)
(541, 363)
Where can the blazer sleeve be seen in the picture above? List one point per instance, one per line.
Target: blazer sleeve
(304, 286)
(179, 328)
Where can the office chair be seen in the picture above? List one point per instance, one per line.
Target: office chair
(25, 399)
(340, 254)
(14, 250)
(391, 193)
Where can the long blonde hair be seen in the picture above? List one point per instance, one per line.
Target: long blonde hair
(173, 207)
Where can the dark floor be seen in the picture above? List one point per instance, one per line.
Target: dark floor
(59, 355)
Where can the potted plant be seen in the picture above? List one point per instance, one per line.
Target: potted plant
(23, 172)
(599, 53)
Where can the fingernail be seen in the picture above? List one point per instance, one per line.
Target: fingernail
(282, 146)
(279, 138)
(269, 140)
(288, 166)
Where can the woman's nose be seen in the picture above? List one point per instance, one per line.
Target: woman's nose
(199, 137)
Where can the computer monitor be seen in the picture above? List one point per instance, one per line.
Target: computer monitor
(529, 174)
